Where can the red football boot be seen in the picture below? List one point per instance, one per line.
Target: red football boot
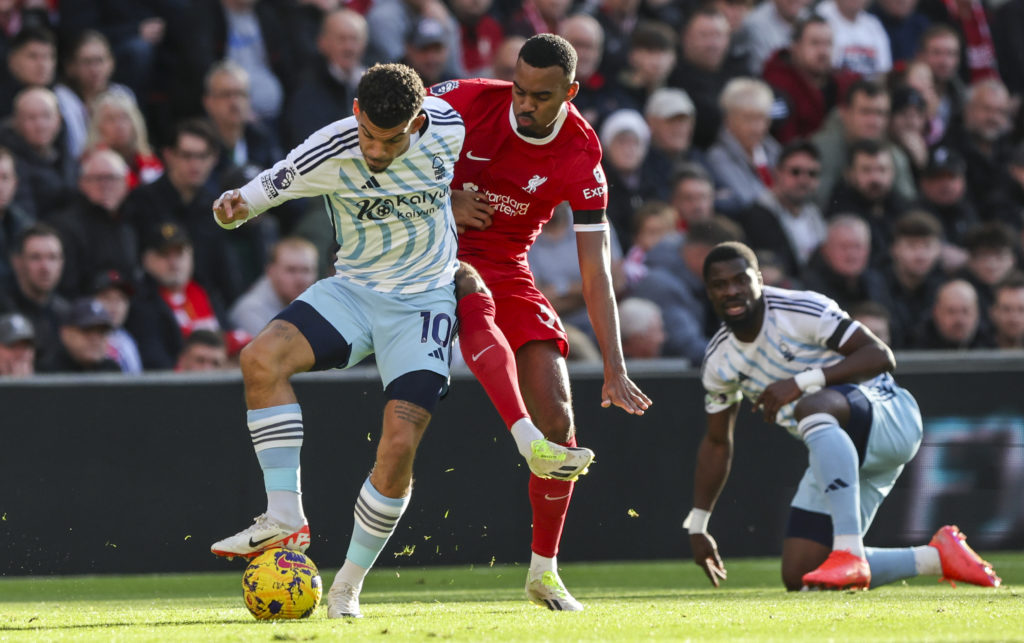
(841, 570)
(959, 561)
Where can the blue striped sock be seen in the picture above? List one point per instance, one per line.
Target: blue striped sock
(376, 517)
(833, 459)
(276, 434)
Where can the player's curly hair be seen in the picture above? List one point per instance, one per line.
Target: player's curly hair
(547, 50)
(390, 94)
(728, 251)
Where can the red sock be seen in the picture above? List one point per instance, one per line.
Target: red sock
(550, 501)
(489, 356)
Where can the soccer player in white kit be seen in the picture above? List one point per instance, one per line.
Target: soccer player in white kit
(823, 377)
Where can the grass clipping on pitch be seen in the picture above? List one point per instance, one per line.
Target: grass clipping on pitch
(667, 601)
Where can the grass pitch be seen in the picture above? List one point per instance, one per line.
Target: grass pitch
(664, 601)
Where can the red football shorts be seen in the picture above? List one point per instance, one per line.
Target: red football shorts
(524, 314)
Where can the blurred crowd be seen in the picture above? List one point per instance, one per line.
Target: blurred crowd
(873, 152)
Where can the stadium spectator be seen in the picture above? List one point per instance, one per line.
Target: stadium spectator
(46, 171)
(13, 218)
(643, 331)
(969, 21)
(625, 137)
(84, 330)
(673, 282)
(920, 76)
(744, 152)
(737, 57)
(392, 22)
(586, 35)
(955, 320)
(785, 219)
(651, 57)
(991, 258)
(204, 351)
(117, 124)
(94, 231)
(17, 346)
(242, 141)
(692, 195)
(617, 19)
(15, 17)
(984, 138)
(771, 26)
(914, 274)
(114, 290)
(326, 89)
(805, 85)
(840, 269)
(700, 71)
(670, 115)
(863, 114)
(943, 191)
(168, 304)
(37, 259)
(506, 56)
(292, 269)
(1006, 204)
(88, 67)
(652, 222)
(182, 196)
(869, 192)
(908, 125)
(1007, 313)
(480, 34)
(861, 44)
(426, 50)
(827, 381)
(904, 25)
(537, 16)
(940, 50)
(875, 317)
(31, 62)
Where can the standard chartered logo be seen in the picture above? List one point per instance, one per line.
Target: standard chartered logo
(402, 206)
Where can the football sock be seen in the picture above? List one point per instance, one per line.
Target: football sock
(525, 432)
(540, 564)
(549, 499)
(927, 560)
(276, 434)
(888, 565)
(489, 356)
(376, 517)
(833, 460)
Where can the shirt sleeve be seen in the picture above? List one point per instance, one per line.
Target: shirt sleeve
(588, 189)
(830, 328)
(719, 393)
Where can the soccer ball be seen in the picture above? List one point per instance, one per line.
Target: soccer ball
(281, 583)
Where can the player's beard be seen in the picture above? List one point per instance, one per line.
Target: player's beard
(749, 323)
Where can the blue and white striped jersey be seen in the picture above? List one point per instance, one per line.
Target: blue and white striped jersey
(802, 330)
(395, 228)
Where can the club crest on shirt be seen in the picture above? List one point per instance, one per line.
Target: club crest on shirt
(599, 174)
(438, 165)
(535, 183)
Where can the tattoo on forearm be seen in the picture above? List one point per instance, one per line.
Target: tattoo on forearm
(411, 413)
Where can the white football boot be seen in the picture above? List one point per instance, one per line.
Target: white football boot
(343, 600)
(550, 460)
(265, 533)
(549, 591)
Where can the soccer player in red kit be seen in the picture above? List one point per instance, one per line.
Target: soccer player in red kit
(527, 149)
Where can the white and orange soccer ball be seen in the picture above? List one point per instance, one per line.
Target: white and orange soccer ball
(281, 583)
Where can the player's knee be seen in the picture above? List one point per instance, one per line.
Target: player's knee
(468, 281)
(258, 364)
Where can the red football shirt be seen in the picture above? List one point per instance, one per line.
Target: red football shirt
(524, 178)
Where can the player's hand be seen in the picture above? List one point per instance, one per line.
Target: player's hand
(775, 396)
(231, 207)
(623, 393)
(705, 555)
(471, 210)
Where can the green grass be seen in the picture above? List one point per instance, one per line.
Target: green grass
(625, 602)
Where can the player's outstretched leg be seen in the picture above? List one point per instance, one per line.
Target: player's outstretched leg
(489, 357)
(960, 562)
(276, 434)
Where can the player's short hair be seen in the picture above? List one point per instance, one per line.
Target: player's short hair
(548, 50)
(390, 94)
(917, 224)
(993, 235)
(727, 251)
